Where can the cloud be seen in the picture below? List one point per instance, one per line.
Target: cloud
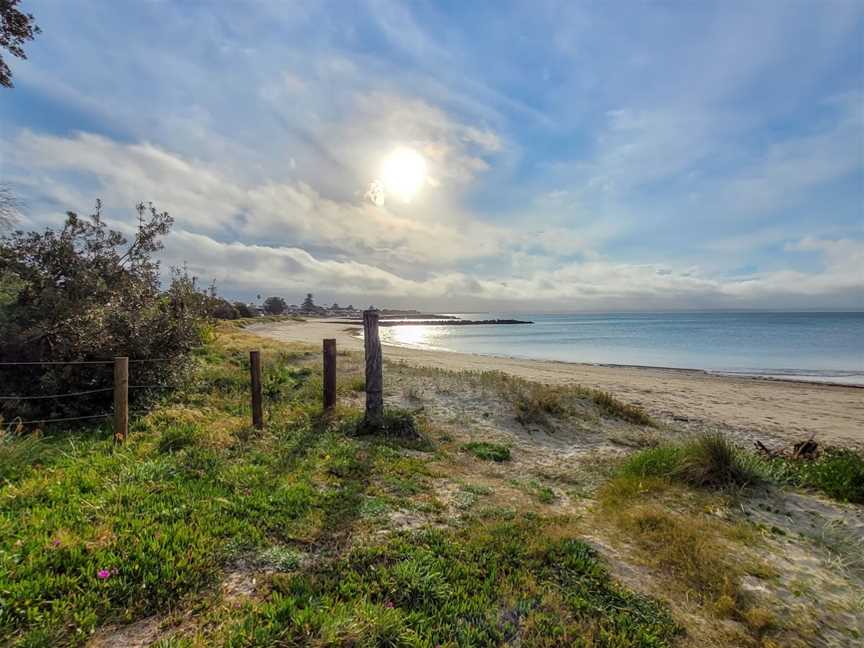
(594, 284)
(284, 237)
(205, 199)
(575, 161)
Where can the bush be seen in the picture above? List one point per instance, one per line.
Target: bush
(223, 309)
(84, 293)
(243, 310)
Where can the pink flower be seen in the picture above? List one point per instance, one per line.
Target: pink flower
(389, 604)
(56, 543)
(102, 574)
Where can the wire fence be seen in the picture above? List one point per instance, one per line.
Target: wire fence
(120, 389)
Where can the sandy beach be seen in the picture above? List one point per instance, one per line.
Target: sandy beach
(779, 411)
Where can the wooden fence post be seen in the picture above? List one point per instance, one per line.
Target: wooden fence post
(255, 372)
(329, 374)
(374, 369)
(121, 398)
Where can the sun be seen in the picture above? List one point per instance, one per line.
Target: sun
(403, 173)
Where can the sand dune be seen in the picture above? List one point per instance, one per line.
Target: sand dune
(780, 411)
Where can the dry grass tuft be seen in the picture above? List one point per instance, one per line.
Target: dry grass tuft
(537, 403)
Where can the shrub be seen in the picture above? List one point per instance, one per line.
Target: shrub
(223, 309)
(243, 310)
(488, 451)
(83, 293)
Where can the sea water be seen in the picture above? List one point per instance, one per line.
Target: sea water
(827, 347)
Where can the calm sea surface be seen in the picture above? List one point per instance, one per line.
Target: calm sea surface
(806, 346)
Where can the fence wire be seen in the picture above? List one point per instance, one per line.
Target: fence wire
(17, 397)
(57, 362)
(80, 393)
(56, 420)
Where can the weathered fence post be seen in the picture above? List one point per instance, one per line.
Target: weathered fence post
(329, 374)
(374, 369)
(121, 398)
(255, 371)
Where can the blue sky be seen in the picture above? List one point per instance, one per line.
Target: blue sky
(581, 155)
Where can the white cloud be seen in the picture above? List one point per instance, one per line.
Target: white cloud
(284, 238)
(593, 284)
(563, 173)
(204, 199)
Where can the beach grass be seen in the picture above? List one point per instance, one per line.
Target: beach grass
(536, 403)
(707, 461)
(661, 499)
(714, 462)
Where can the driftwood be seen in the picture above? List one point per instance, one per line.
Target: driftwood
(808, 449)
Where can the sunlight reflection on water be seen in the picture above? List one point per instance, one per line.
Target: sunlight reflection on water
(423, 337)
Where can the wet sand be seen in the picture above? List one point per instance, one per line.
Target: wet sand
(784, 411)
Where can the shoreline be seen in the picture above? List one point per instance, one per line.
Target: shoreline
(744, 375)
(782, 410)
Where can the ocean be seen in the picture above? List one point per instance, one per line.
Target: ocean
(825, 347)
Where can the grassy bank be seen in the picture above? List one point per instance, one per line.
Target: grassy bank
(300, 515)
(487, 511)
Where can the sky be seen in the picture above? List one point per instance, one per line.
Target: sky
(579, 156)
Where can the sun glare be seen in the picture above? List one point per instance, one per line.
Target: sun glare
(403, 173)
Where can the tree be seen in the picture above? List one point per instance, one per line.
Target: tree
(243, 309)
(335, 306)
(274, 305)
(222, 309)
(309, 303)
(16, 28)
(85, 293)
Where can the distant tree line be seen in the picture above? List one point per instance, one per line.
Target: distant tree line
(278, 306)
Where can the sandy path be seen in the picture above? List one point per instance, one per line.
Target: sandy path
(785, 410)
